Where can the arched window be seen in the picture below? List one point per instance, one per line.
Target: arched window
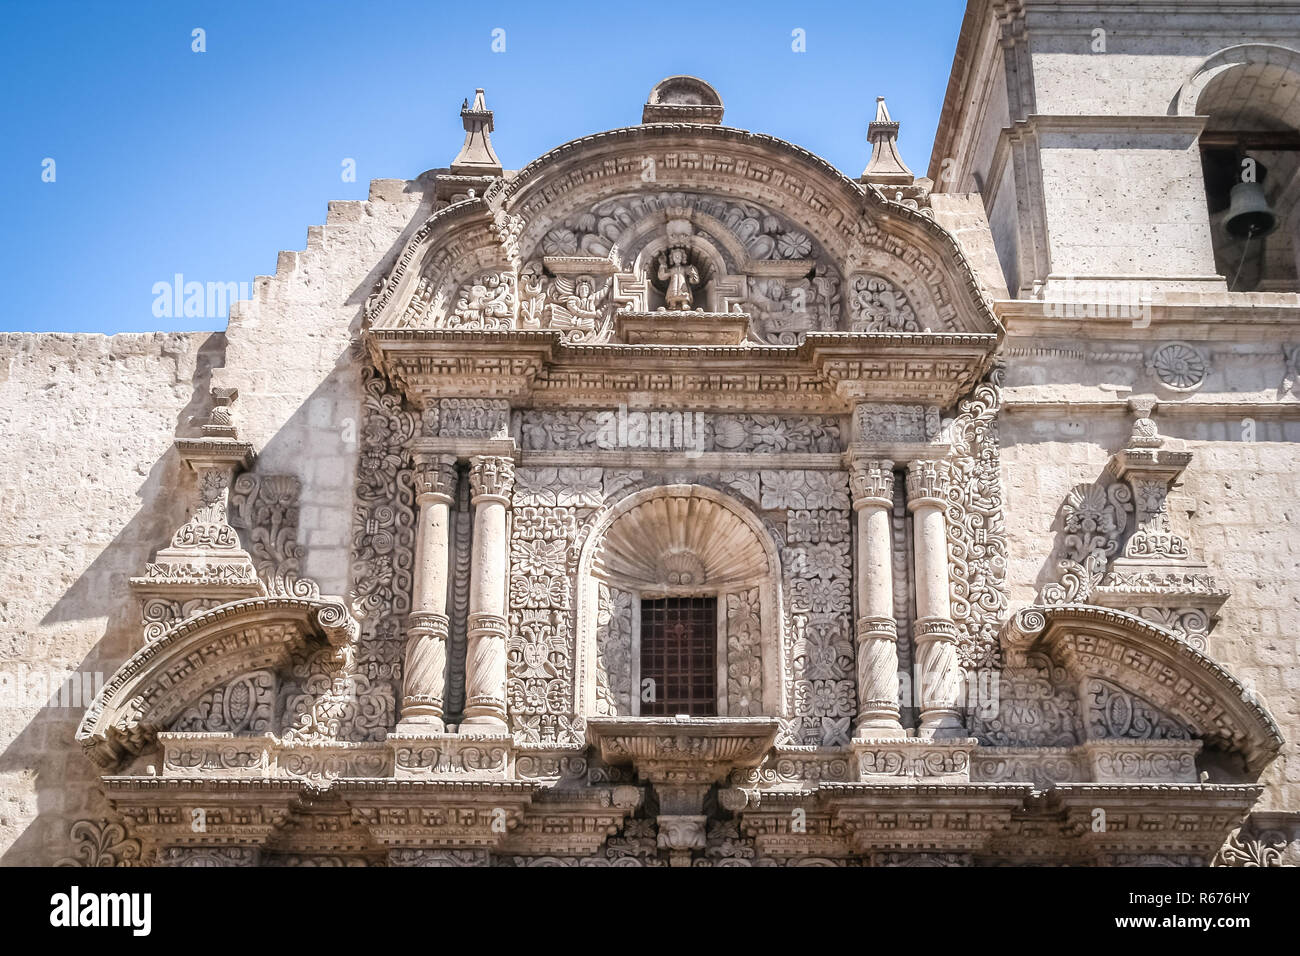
(679, 608)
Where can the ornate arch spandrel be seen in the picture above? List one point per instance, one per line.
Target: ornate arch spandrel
(1114, 650)
(170, 674)
(682, 539)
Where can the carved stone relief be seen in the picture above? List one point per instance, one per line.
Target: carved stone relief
(821, 692)
(266, 508)
(1036, 707)
(614, 652)
(244, 705)
(1115, 712)
(383, 550)
(541, 648)
(977, 538)
(544, 430)
(1094, 519)
(744, 654)
(877, 305)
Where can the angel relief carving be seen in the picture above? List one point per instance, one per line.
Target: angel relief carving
(578, 306)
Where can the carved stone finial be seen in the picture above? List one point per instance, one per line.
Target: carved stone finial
(221, 421)
(476, 156)
(886, 167)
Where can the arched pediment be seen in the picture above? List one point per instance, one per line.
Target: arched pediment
(1105, 651)
(777, 203)
(167, 675)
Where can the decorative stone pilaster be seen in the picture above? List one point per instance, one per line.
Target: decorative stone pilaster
(491, 480)
(872, 484)
(938, 671)
(425, 671)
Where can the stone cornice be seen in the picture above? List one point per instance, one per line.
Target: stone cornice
(1201, 316)
(537, 367)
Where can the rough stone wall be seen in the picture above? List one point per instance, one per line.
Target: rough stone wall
(92, 487)
(1096, 222)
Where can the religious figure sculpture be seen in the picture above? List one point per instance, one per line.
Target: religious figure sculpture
(677, 271)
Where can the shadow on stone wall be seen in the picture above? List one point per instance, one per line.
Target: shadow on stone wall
(66, 786)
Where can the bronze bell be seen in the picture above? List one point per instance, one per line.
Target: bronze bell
(1249, 214)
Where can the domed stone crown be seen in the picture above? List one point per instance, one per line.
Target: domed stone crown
(683, 99)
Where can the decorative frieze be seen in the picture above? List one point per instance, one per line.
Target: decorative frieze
(669, 430)
(450, 755)
(894, 760)
(893, 423)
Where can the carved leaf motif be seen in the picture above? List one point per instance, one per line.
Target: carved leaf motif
(102, 843)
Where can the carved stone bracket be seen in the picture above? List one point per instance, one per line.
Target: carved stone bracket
(683, 757)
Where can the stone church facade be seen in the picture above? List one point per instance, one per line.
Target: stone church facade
(677, 499)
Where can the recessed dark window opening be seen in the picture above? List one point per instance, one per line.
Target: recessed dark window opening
(679, 655)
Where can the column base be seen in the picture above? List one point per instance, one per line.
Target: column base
(940, 725)
(421, 724)
(879, 728)
(481, 726)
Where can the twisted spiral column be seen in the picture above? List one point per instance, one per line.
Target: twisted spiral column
(872, 484)
(491, 480)
(425, 668)
(934, 633)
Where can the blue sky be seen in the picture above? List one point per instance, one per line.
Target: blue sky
(206, 164)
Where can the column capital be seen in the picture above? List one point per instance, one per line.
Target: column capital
(880, 628)
(872, 483)
(929, 629)
(491, 477)
(927, 484)
(435, 477)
